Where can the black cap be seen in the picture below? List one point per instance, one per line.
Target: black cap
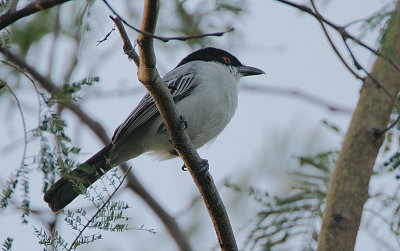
(211, 54)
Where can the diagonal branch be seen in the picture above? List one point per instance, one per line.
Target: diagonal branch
(150, 78)
(128, 48)
(11, 16)
(133, 183)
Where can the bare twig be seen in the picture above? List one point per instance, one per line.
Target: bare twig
(342, 31)
(11, 16)
(150, 78)
(378, 84)
(19, 107)
(133, 183)
(166, 39)
(128, 48)
(333, 45)
(345, 37)
(106, 36)
(13, 5)
(392, 125)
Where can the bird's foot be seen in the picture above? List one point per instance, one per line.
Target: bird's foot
(204, 167)
(183, 124)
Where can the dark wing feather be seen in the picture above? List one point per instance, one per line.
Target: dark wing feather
(180, 87)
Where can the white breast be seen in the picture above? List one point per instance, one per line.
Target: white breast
(212, 104)
(208, 109)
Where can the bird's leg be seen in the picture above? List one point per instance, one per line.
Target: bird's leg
(183, 124)
(204, 167)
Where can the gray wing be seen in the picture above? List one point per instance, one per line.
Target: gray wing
(180, 86)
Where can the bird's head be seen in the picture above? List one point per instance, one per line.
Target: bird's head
(211, 54)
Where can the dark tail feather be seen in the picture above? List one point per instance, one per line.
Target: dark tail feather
(64, 191)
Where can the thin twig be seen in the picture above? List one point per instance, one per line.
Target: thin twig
(355, 62)
(392, 125)
(333, 45)
(13, 5)
(167, 39)
(342, 31)
(24, 128)
(128, 48)
(99, 210)
(378, 84)
(360, 67)
(106, 37)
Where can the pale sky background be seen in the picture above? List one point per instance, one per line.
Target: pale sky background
(259, 144)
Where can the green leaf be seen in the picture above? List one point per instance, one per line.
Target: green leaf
(7, 244)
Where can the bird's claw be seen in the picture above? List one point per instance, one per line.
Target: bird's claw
(204, 167)
(183, 124)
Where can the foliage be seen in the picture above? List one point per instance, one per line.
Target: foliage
(392, 142)
(109, 216)
(280, 220)
(7, 244)
(4, 4)
(26, 34)
(377, 20)
(66, 93)
(39, 35)
(55, 144)
(296, 215)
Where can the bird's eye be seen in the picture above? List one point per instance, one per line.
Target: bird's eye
(227, 59)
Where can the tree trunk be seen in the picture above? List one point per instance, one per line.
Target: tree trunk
(348, 188)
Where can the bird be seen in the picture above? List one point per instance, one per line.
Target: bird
(204, 87)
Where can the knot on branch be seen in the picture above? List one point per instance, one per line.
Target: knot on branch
(338, 218)
(147, 74)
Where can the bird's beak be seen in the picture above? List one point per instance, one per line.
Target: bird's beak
(249, 71)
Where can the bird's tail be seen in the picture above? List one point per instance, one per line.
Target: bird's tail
(66, 189)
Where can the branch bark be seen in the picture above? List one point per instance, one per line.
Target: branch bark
(11, 16)
(150, 78)
(348, 189)
(133, 183)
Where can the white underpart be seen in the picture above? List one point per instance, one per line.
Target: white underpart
(208, 109)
